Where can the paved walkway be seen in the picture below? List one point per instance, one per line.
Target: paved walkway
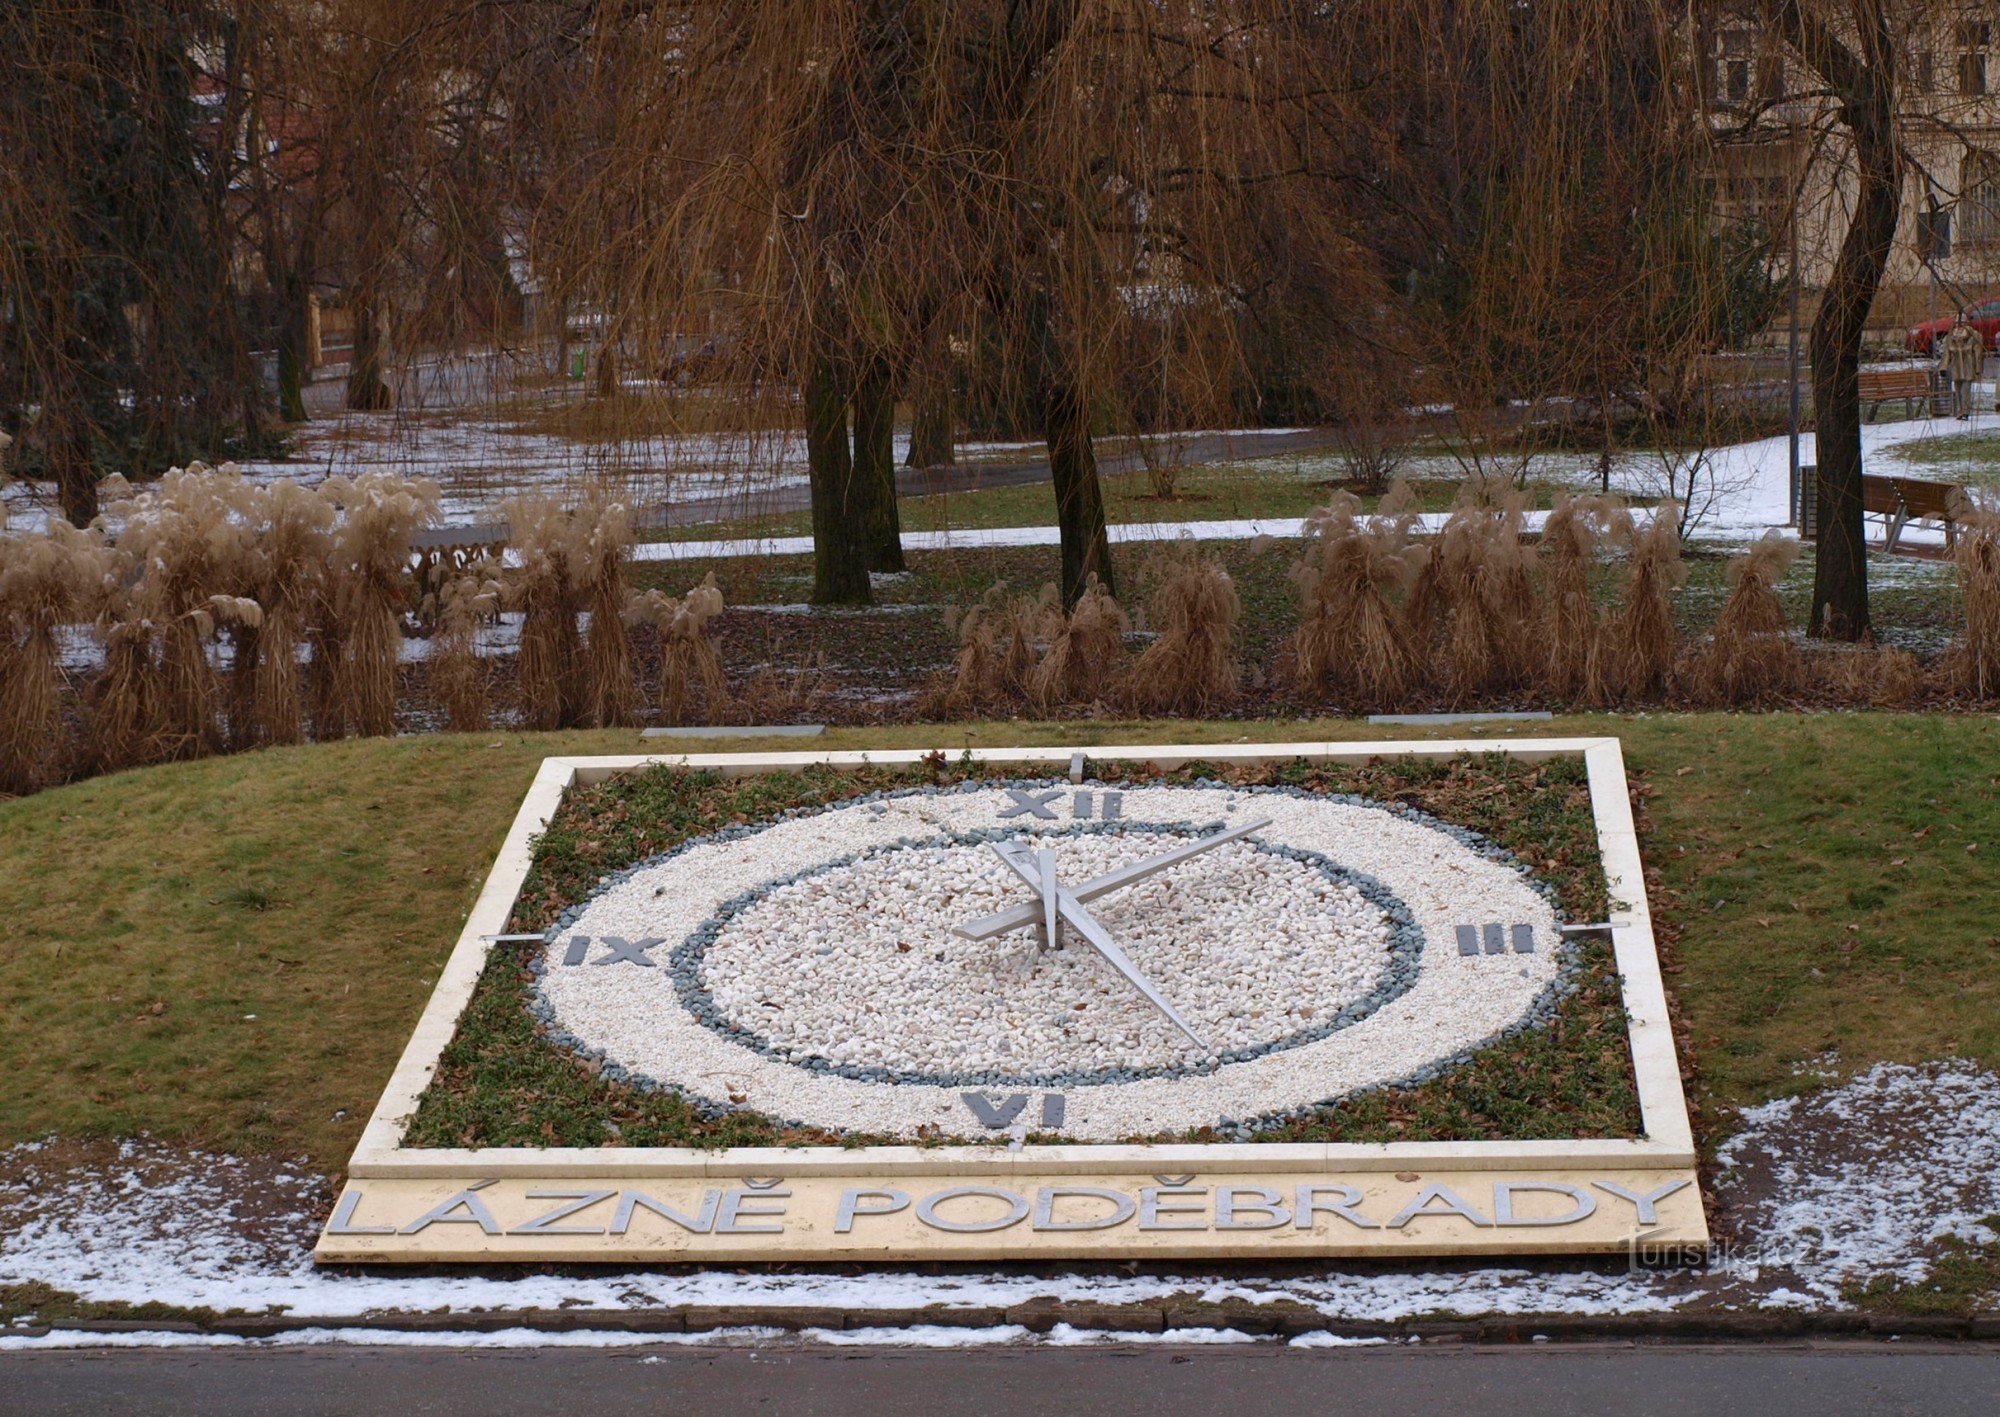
(1589, 1381)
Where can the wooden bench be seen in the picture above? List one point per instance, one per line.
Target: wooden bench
(1902, 500)
(1908, 386)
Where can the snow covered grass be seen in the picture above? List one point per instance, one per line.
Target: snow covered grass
(1814, 1198)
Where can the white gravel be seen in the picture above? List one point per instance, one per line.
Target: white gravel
(934, 1012)
(860, 965)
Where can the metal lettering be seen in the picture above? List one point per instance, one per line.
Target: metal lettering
(1524, 939)
(1231, 1201)
(1080, 806)
(1054, 1105)
(850, 1206)
(927, 1210)
(1155, 1201)
(343, 1219)
(1445, 1203)
(989, 1115)
(703, 1222)
(579, 947)
(739, 1203)
(1503, 1203)
(1311, 1204)
(1114, 806)
(1033, 804)
(1645, 1203)
(626, 952)
(1045, 1206)
(476, 1213)
(1496, 940)
(1468, 939)
(546, 1224)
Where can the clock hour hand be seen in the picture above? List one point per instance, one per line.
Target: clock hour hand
(987, 926)
(1071, 909)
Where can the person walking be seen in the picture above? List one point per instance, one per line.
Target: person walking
(1962, 353)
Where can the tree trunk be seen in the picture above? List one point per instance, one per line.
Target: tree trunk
(1086, 548)
(293, 339)
(366, 390)
(70, 464)
(1862, 80)
(840, 553)
(875, 466)
(930, 426)
(607, 369)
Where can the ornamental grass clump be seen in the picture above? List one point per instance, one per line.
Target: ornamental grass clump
(1191, 668)
(370, 559)
(1351, 642)
(1752, 658)
(600, 541)
(190, 553)
(289, 543)
(1975, 662)
(1640, 644)
(46, 579)
(1571, 625)
(459, 682)
(996, 647)
(1473, 606)
(1086, 649)
(545, 590)
(690, 660)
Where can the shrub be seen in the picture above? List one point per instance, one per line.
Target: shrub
(1191, 668)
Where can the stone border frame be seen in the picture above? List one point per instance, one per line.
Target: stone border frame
(1667, 1140)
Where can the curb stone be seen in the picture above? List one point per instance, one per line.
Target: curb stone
(1274, 1320)
(926, 1318)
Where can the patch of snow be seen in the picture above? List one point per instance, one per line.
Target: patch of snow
(1877, 1170)
(1066, 1336)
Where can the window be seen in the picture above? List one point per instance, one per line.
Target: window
(1738, 65)
(1979, 199)
(1934, 235)
(1923, 76)
(1974, 39)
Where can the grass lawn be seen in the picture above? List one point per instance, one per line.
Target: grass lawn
(232, 952)
(1290, 486)
(1969, 458)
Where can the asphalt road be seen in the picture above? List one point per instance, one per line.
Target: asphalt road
(1598, 1380)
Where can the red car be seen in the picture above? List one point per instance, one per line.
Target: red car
(1985, 318)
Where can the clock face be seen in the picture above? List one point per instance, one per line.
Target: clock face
(1219, 957)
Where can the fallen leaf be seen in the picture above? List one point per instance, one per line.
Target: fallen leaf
(1683, 772)
(1972, 848)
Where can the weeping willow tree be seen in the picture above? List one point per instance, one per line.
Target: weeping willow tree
(121, 347)
(809, 210)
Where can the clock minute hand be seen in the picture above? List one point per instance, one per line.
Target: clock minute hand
(987, 926)
(1080, 919)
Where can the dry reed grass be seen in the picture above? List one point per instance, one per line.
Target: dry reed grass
(996, 648)
(459, 682)
(1351, 640)
(45, 580)
(1572, 626)
(289, 528)
(690, 661)
(1191, 668)
(371, 557)
(1974, 663)
(600, 541)
(1751, 658)
(1472, 610)
(1640, 644)
(545, 591)
(1086, 649)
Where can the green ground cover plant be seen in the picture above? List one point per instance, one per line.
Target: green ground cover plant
(499, 1083)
